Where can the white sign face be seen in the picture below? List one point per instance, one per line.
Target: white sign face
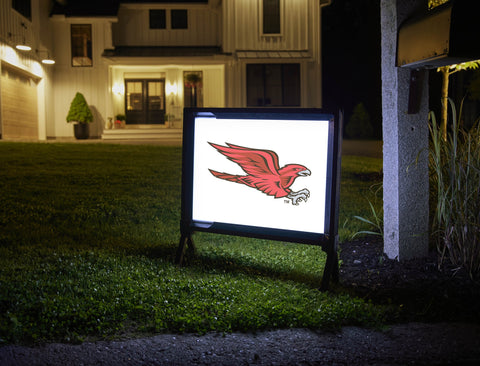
(264, 173)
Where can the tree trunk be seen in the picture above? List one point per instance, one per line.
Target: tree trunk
(444, 98)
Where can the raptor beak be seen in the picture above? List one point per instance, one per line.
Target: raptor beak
(304, 173)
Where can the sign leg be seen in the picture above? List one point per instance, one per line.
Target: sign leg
(185, 241)
(331, 271)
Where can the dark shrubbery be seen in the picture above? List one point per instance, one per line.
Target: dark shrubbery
(359, 125)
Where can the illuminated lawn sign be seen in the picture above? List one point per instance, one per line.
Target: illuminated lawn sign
(263, 173)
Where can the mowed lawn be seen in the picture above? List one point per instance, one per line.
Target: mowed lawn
(88, 234)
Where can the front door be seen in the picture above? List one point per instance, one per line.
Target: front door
(145, 101)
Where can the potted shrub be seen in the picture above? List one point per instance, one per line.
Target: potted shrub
(81, 115)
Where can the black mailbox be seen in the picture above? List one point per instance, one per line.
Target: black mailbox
(446, 35)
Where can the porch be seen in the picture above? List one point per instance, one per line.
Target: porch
(144, 132)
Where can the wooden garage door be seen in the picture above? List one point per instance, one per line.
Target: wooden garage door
(19, 105)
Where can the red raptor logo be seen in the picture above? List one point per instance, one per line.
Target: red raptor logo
(263, 172)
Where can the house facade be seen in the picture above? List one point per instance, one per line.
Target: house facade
(146, 61)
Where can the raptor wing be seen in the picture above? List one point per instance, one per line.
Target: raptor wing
(261, 167)
(254, 162)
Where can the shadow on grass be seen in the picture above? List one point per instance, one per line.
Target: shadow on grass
(224, 263)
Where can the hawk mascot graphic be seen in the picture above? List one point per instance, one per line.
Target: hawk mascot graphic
(263, 172)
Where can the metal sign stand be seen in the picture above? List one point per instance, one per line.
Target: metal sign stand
(331, 271)
(185, 241)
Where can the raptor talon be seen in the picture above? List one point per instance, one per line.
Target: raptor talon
(299, 196)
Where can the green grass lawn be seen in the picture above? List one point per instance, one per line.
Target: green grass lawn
(88, 234)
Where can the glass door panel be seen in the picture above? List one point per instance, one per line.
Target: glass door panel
(156, 102)
(134, 93)
(145, 101)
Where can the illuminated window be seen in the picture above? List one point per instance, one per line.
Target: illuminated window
(271, 16)
(158, 19)
(24, 7)
(179, 19)
(271, 85)
(81, 38)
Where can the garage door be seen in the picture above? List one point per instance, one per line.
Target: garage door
(19, 105)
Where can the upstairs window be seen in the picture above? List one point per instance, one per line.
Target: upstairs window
(179, 19)
(24, 7)
(81, 39)
(271, 16)
(158, 19)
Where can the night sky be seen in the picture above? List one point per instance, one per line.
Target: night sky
(351, 58)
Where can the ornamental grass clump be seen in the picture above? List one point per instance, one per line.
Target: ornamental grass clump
(455, 184)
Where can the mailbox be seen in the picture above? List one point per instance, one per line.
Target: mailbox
(446, 35)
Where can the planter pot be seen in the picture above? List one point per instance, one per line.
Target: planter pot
(81, 131)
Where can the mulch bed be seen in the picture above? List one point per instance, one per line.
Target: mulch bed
(422, 290)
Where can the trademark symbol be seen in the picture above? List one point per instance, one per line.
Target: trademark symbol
(286, 201)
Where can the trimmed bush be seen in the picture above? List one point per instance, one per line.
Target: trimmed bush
(79, 110)
(359, 125)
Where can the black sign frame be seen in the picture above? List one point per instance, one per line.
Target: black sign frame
(327, 240)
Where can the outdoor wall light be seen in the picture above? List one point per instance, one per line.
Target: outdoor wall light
(118, 89)
(46, 60)
(22, 44)
(172, 88)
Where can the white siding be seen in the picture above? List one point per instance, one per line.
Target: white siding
(37, 34)
(93, 84)
(92, 81)
(243, 26)
(214, 87)
(133, 28)
(300, 31)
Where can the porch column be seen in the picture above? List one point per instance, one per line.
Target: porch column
(405, 137)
